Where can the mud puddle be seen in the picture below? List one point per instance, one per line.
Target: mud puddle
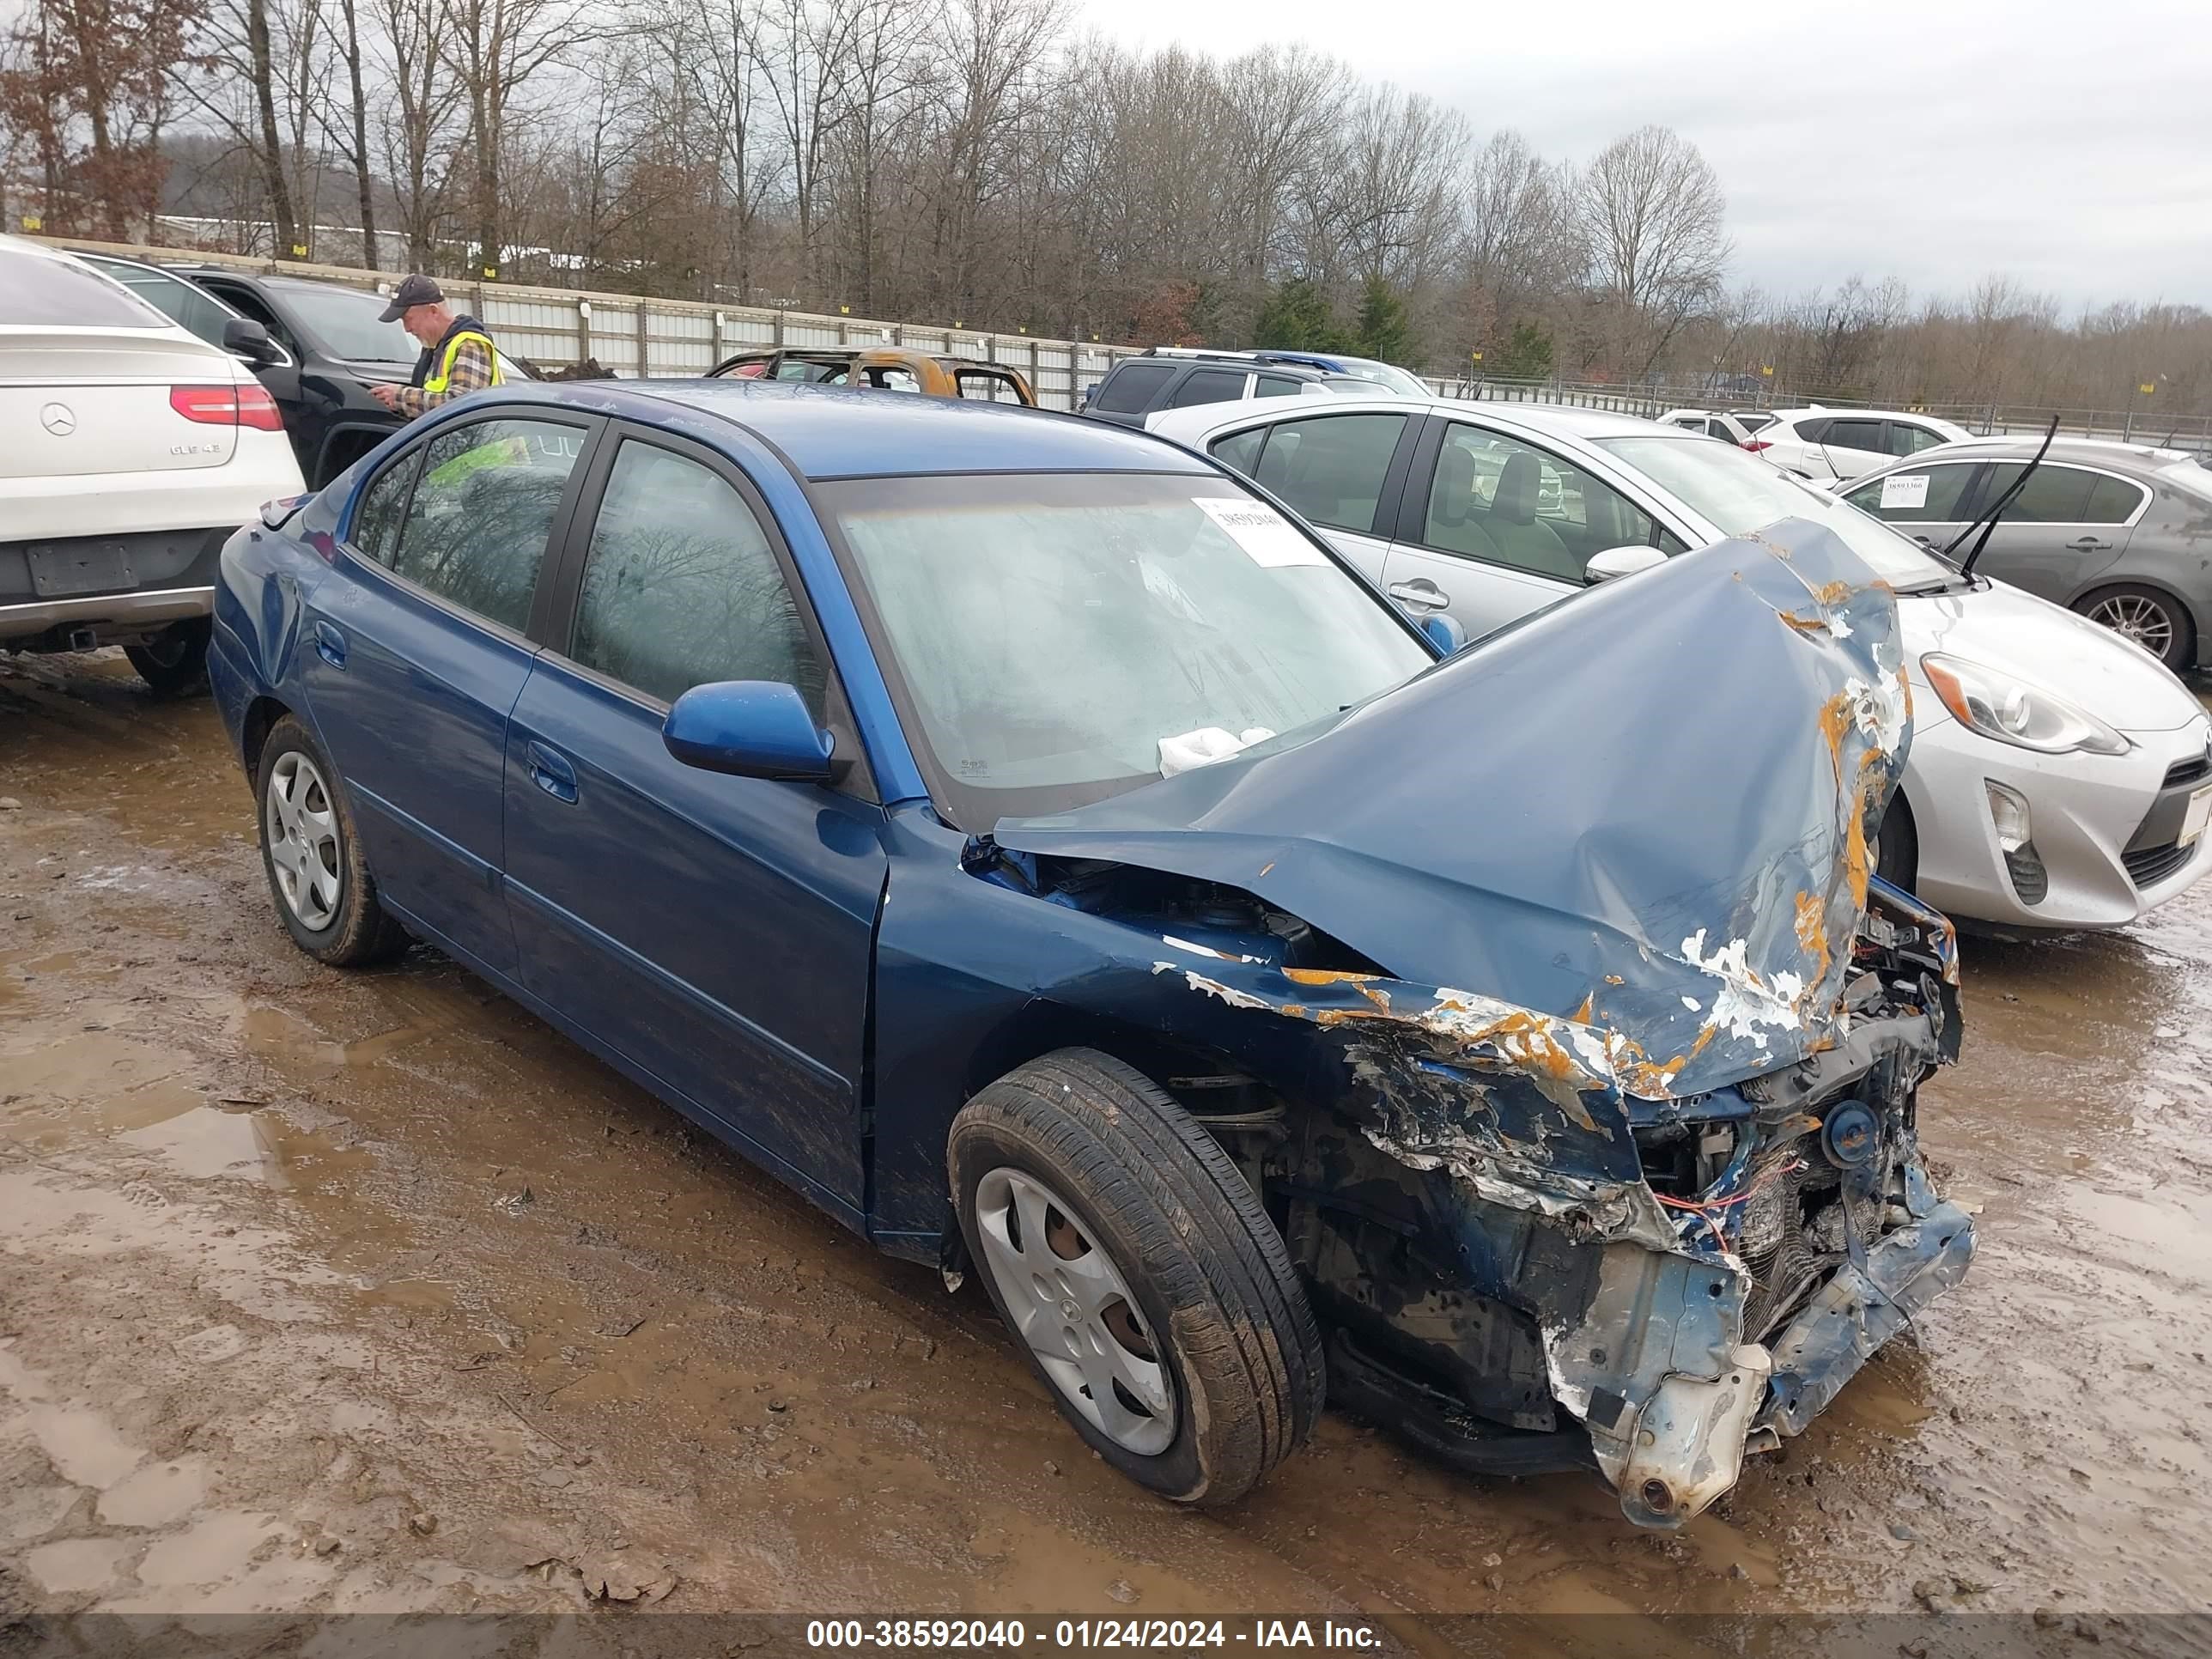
(370, 1292)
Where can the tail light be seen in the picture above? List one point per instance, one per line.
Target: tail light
(1754, 445)
(228, 405)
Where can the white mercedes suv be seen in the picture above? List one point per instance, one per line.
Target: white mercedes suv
(129, 451)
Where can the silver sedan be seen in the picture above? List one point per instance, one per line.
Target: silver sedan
(2120, 532)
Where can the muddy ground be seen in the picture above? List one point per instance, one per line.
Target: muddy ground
(333, 1291)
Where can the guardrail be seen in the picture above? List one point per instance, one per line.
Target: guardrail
(636, 337)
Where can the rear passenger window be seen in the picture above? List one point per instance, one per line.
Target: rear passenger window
(1854, 435)
(682, 587)
(1240, 452)
(477, 528)
(1209, 385)
(1330, 468)
(1131, 387)
(2113, 500)
(2053, 494)
(1907, 439)
(1275, 386)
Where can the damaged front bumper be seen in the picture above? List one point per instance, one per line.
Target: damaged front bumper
(1687, 1279)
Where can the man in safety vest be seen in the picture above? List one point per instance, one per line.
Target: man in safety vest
(458, 354)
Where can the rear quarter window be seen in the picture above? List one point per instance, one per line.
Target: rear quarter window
(37, 289)
(1131, 388)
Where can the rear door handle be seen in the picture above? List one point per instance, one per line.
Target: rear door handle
(2088, 545)
(330, 644)
(551, 772)
(1422, 592)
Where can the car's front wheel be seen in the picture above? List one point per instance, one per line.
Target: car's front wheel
(1151, 1294)
(174, 661)
(325, 894)
(2153, 620)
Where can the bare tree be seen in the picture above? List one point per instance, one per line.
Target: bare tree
(1650, 211)
(496, 49)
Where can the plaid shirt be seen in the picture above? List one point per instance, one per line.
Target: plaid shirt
(471, 373)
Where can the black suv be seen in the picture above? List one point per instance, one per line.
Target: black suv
(1174, 379)
(326, 348)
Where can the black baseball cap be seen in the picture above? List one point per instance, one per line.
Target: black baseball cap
(415, 290)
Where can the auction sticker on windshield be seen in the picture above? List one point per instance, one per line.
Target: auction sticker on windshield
(1267, 536)
(1905, 492)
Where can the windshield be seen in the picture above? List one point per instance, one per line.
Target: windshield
(1051, 637)
(343, 321)
(1740, 494)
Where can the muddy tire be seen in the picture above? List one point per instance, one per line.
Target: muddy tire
(1147, 1287)
(2157, 622)
(319, 880)
(174, 661)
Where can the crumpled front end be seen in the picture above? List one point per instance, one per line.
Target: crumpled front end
(1697, 1278)
(1653, 1179)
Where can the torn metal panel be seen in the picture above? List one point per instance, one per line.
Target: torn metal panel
(1651, 814)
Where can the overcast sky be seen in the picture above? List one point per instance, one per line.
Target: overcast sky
(2068, 145)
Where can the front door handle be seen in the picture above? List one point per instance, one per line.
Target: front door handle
(330, 644)
(1421, 593)
(2088, 544)
(551, 772)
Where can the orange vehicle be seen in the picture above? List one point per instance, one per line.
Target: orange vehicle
(888, 369)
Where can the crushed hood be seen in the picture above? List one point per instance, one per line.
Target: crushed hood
(1646, 811)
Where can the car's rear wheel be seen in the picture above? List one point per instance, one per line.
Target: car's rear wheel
(2155, 621)
(1151, 1294)
(174, 661)
(325, 894)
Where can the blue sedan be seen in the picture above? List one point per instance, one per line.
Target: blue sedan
(1038, 848)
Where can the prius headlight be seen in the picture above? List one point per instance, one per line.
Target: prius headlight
(2001, 706)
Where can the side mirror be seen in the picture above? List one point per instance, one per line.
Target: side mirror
(748, 729)
(245, 338)
(1444, 633)
(1623, 562)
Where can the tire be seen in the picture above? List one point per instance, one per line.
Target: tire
(1138, 1201)
(1897, 847)
(319, 880)
(174, 661)
(2157, 622)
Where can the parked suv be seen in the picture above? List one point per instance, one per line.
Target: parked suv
(1824, 445)
(134, 448)
(1165, 378)
(329, 345)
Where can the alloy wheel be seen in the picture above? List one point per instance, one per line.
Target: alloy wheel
(2143, 620)
(1069, 1302)
(301, 829)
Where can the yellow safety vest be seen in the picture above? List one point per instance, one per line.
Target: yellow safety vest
(437, 382)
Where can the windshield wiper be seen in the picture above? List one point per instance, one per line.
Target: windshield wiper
(1987, 523)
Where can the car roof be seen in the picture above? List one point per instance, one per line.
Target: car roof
(1589, 424)
(2098, 452)
(848, 432)
(1863, 414)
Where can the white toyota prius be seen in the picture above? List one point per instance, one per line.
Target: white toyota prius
(129, 449)
(2059, 777)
